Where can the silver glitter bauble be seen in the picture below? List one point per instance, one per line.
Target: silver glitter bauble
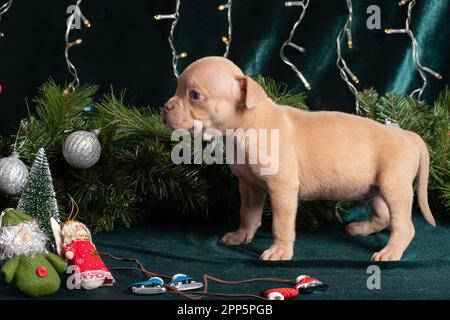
(13, 174)
(82, 149)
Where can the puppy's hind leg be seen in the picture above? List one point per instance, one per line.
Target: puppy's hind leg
(252, 202)
(399, 198)
(378, 222)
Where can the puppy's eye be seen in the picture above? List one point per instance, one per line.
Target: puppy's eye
(195, 95)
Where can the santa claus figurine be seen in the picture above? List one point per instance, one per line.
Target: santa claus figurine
(78, 249)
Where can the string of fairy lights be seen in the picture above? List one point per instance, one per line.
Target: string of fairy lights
(175, 55)
(227, 39)
(288, 43)
(417, 93)
(3, 9)
(71, 21)
(344, 71)
(176, 17)
(344, 33)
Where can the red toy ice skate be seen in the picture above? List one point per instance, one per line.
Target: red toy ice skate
(305, 284)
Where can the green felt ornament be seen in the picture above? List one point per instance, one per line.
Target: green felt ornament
(30, 267)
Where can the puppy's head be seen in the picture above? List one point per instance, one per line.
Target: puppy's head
(212, 90)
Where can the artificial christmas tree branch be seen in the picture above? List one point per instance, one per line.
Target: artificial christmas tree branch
(281, 94)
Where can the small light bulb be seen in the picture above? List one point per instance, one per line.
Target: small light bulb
(391, 31)
(165, 16)
(293, 3)
(350, 44)
(78, 42)
(89, 109)
(2, 34)
(87, 23)
(183, 55)
(223, 7)
(435, 74)
(225, 40)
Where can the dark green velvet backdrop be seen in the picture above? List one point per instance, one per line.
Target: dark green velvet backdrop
(127, 48)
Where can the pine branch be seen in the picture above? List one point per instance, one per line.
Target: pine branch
(131, 121)
(369, 103)
(54, 117)
(280, 93)
(431, 123)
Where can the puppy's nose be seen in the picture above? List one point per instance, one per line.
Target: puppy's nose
(169, 106)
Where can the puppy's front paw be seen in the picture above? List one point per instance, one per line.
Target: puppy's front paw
(278, 252)
(388, 254)
(235, 238)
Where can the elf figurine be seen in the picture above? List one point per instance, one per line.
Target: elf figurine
(75, 244)
(30, 267)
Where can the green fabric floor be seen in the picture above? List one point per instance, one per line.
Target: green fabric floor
(327, 254)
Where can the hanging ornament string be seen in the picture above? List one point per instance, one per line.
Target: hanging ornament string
(227, 39)
(304, 6)
(196, 295)
(176, 17)
(3, 9)
(15, 149)
(415, 51)
(73, 207)
(71, 22)
(109, 124)
(344, 70)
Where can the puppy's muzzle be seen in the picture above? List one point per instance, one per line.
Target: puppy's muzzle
(173, 115)
(168, 106)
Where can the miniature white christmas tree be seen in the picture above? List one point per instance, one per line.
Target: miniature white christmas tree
(38, 198)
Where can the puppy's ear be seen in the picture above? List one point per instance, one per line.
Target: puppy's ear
(251, 92)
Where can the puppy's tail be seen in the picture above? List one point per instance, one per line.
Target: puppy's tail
(422, 180)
